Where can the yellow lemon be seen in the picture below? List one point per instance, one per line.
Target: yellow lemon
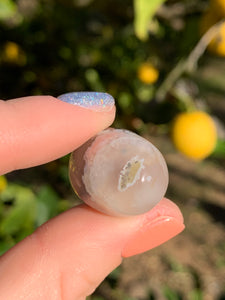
(147, 73)
(14, 54)
(3, 183)
(217, 45)
(12, 51)
(218, 6)
(194, 134)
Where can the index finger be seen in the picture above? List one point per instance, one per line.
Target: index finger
(38, 129)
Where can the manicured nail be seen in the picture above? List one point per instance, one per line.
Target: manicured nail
(91, 100)
(152, 235)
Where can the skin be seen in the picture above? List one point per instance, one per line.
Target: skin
(69, 256)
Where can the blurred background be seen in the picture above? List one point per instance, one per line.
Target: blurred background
(164, 63)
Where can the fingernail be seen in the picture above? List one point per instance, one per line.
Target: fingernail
(152, 235)
(91, 100)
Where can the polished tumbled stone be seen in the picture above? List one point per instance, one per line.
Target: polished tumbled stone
(119, 173)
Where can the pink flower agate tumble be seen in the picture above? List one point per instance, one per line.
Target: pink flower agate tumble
(119, 173)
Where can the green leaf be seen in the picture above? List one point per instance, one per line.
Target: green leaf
(47, 204)
(143, 12)
(94, 80)
(7, 9)
(6, 245)
(219, 150)
(18, 220)
(170, 294)
(196, 295)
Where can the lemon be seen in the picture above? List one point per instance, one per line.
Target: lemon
(13, 53)
(194, 134)
(218, 6)
(217, 45)
(147, 73)
(3, 183)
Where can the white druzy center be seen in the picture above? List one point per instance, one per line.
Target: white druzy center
(130, 173)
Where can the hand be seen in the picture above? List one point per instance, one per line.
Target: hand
(70, 255)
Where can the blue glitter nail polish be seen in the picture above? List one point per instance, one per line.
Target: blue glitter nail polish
(91, 100)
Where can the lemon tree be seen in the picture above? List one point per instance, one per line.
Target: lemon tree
(194, 134)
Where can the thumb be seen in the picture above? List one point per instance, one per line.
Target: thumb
(70, 255)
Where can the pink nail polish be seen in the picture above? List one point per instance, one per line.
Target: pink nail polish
(152, 235)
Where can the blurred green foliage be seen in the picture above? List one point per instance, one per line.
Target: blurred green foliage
(7, 9)
(91, 45)
(144, 11)
(53, 47)
(22, 211)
